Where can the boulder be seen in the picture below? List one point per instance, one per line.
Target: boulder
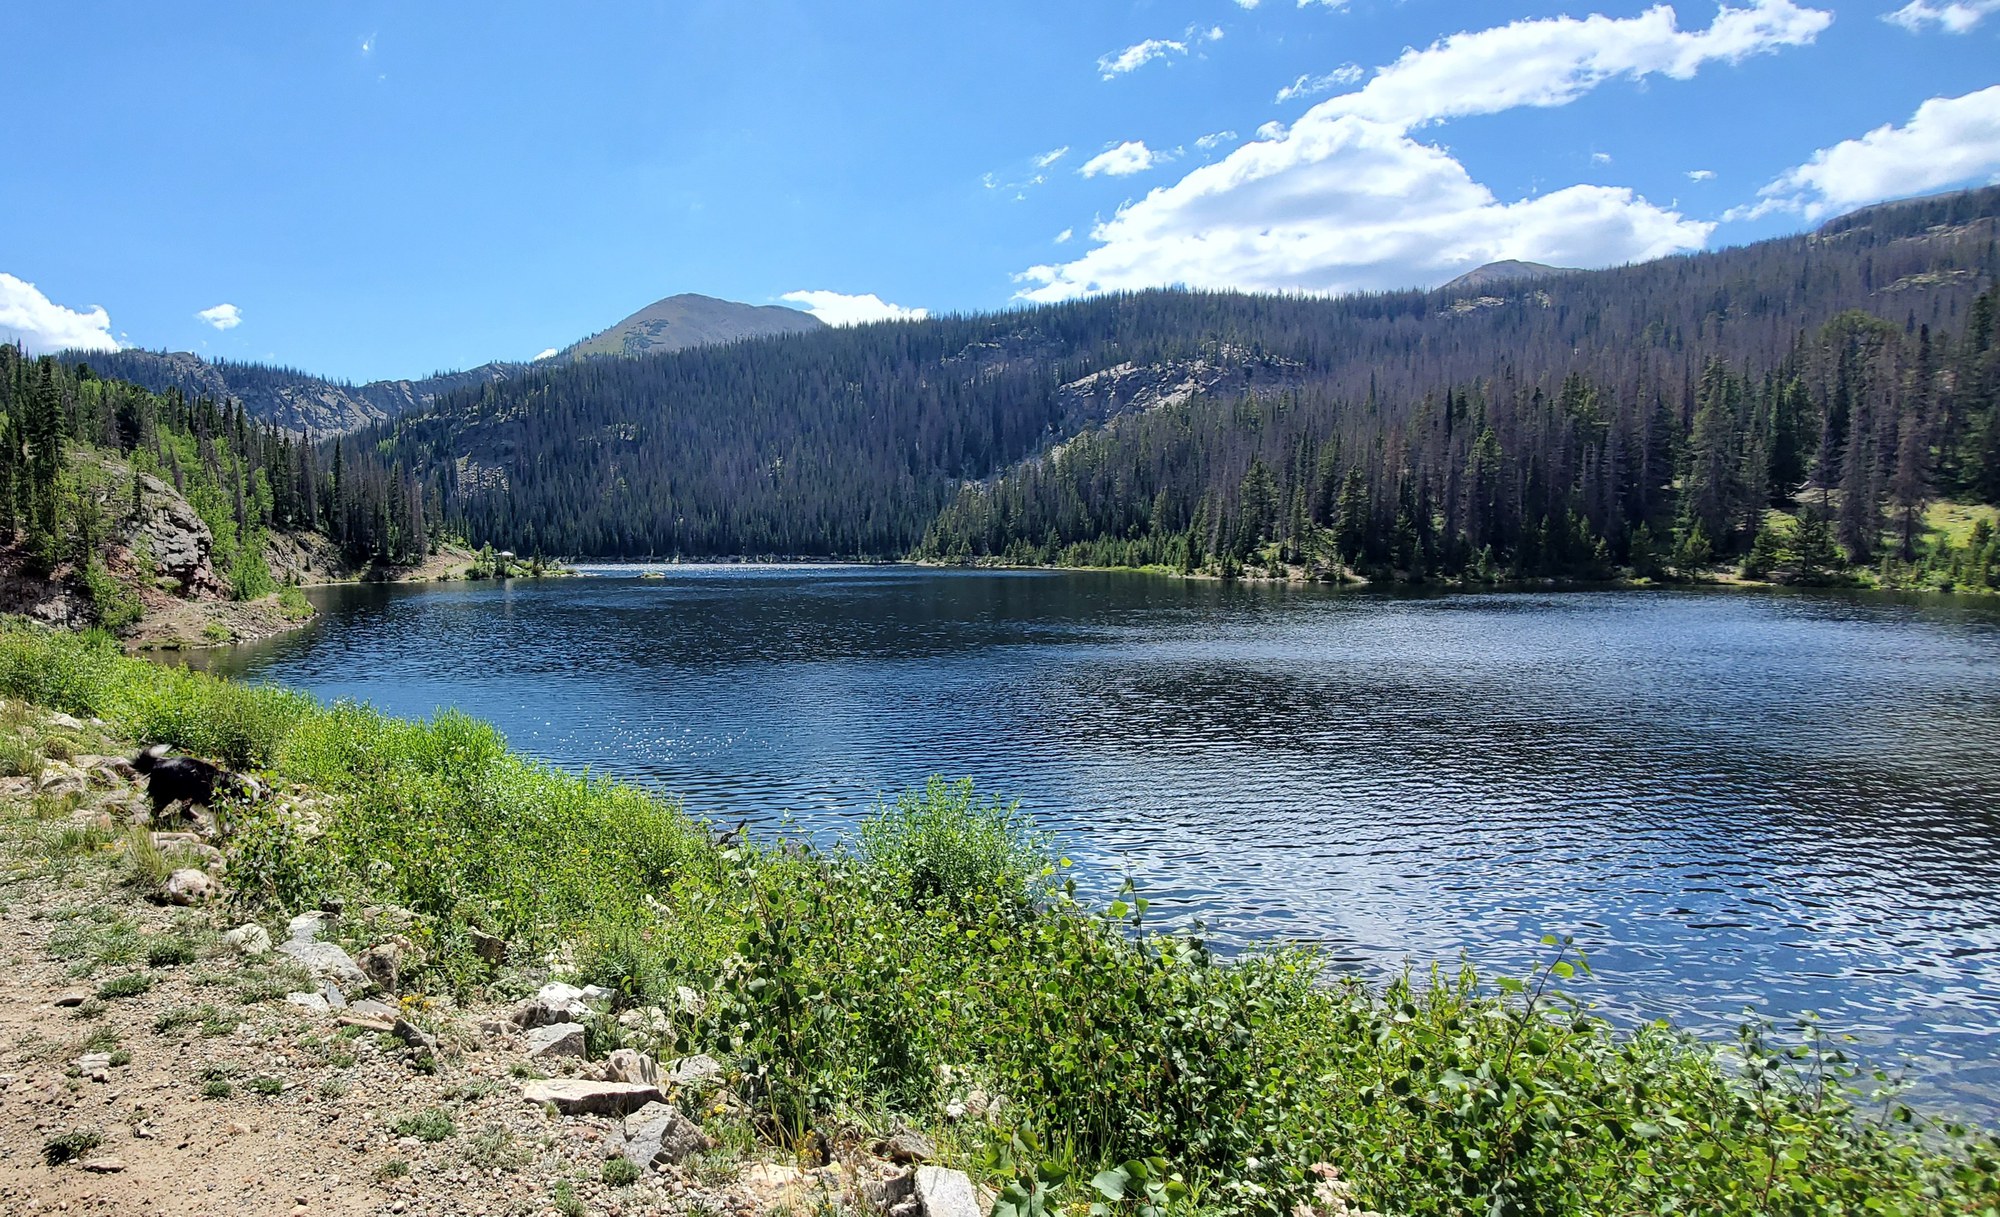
(190, 886)
(386, 961)
(906, 1146)
(64, 721)
(249, 939)
(581, 1097)
(325, 960)
(890, 1189)
(558, 1040)
(629, 1065)
(489, 947)
(555, 1003)
(691, 1072)
(946, 1193)
(659, 1135)
(316, 1003)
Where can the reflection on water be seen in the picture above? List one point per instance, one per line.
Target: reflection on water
(1790, 802)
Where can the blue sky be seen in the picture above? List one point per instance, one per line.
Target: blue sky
(372, 189)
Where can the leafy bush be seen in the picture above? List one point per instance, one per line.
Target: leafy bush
(946, 845)
(132, 984)
(430, 1124)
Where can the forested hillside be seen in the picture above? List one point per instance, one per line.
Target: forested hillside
(1562, 424)
(85, 468)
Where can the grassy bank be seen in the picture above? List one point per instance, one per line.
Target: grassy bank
(937, 971)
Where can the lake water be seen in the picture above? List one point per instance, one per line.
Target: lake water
(1787, 802)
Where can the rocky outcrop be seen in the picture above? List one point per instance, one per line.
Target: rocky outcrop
(167, 532)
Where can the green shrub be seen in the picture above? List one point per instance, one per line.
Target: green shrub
(168, 952)
(620, 1172)
(431, 1124)
(946, 845)
(70, 1146)
(132, 984)
(292, 604)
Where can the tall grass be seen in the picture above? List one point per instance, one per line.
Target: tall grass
(938, 963)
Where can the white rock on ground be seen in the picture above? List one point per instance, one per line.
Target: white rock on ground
(946, 1193)
(630, 1065)
(190, 886)
(250, 939)
(580, 1097)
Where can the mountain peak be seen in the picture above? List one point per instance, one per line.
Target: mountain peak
(1498, 273)
(690, 319)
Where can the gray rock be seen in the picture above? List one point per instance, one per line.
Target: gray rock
(629, 1065)
(385, 962)
(557, 1040)
(71, 998)
(306, 926)
(314, 1002)
(580, 1097)
(370, 1008)
(908, 1206)
(190, 886)
(327, 962)
(65, 722)
(946, 1193)
(691, 1072)
(597, 997)
(104, 1166)
(335, 999)
(417, 1038)
(250, 939)
(658, 1134)
(906, 1145)
(891, 1189)
(489, 947)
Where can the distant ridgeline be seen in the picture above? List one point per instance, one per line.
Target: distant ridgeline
(1536, 421)
(1803, 405)
(61, 503)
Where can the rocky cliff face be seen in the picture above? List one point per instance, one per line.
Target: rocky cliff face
(290, 400)
(168, 535)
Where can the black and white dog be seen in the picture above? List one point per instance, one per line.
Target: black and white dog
(170, 779)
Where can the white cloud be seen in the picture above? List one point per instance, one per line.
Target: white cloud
(1554, 61)
(1701, 175)
(1051, 157)
(222, 316)
(1947, 141)
(1308, 85)
(1215, 139)
(1247, 3)
(368, 45)
(1138, 55)
(1214, 33)
(1600, 158)
(42, 326)
(1347, 199)
(1953, 16)
(1334, 4)
(836, 308)
(1064, 236)
(551, 353)
(1350, 204)
(1132, 156)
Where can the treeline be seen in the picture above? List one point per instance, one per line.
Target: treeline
(60, 505)
(1853, 433)
(858, 441)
